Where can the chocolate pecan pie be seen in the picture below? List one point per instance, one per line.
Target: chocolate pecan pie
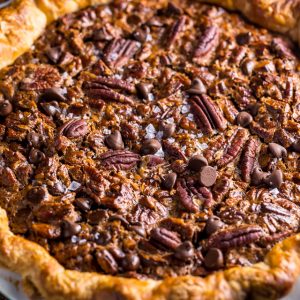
(150, 149)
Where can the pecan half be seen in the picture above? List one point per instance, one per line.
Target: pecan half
(174, 31)
(106, 261)
(172, 150)
(110, 82)
(119, 159)
(248, 158)
(235, 237)
(234, 148)
(184, 198)
(207, 114)
(165, 237)
(74, 129)
(208, 41)
(119, 51)
(102, 92)
(265, 133)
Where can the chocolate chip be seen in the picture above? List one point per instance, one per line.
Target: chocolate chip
(54, 54)
(253, 108)
(296, 146)
(82, 203)
(143, 90)
(141, 34)
(140, 230)
(185, 251)
(197, 162)
(53, 94)
(207, 176)
(36, 156)
(243, 38)
(114, 141)
(173, 9)
(116, 252)
(51, 108)
(258, 176)
(275, 179)
(277, 150)
(34, 139)
(151, 146)
(244, 119)
(5, 108)
(70, 228)
(213, 224)
(169, 180)
(168, 129)
(120, 218)
(37, 194)
(197, 87)
(214, 259)
(131, 262)
(103, 238)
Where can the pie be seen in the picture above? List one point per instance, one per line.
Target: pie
(150, 149)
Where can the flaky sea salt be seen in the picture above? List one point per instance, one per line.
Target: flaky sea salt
(190, 117)
(185, 108)
(159, 135)
(74, 186)
(156, 109)
(150, 132)
(106, 131)
(274, 191)
(201, 146)
(160, 153)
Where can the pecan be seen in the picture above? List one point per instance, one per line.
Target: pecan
(106, 261)
(119, 159)
(184, 198)
(74, 129)
(8, 178)
(207, 114)
(206, 195)
(248, 158)
(235, 237)
(265, 133)
(110, 82)
(221, 189)
(119, 51)
(172, 150)
(274, 208)
(234, 148)
(102, 92)
(282, 48)
(166, 238)
(208, 42)
(41, 77)
(47, 231)
(174, 31)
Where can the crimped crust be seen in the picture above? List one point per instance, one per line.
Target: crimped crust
(42, 274)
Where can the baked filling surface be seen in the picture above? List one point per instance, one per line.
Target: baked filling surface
(147, 141)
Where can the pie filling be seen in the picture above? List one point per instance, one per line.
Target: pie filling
(149, 139)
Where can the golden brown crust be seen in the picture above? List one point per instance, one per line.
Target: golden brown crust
(41, 272)
(20, 25)
(279, 15)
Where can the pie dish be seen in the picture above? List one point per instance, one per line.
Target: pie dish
(150, 149)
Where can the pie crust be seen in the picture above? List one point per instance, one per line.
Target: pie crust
(20, 25)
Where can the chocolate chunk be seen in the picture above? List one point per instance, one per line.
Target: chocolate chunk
(150, 146)
(5, 108)
(197, 87)
(140, 230)
(275, 179)
(253, 108)
(296, 146)
(82, 203)
(214, 259)
(185, 251)
(70, 228)
(258, 176)
(207, 176)
(213, 224)
(51, 108)
(36, 156)
(143, 91)
(114, 141)
(173, 9)
(277, 150)
(196, 162)
(168, 129)
(243, 38)
(141, 34)
(54, 54)
(37, 194)
(169, 180)
(103, 238)
(131, 262)
(243, 119)
(53, 94)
